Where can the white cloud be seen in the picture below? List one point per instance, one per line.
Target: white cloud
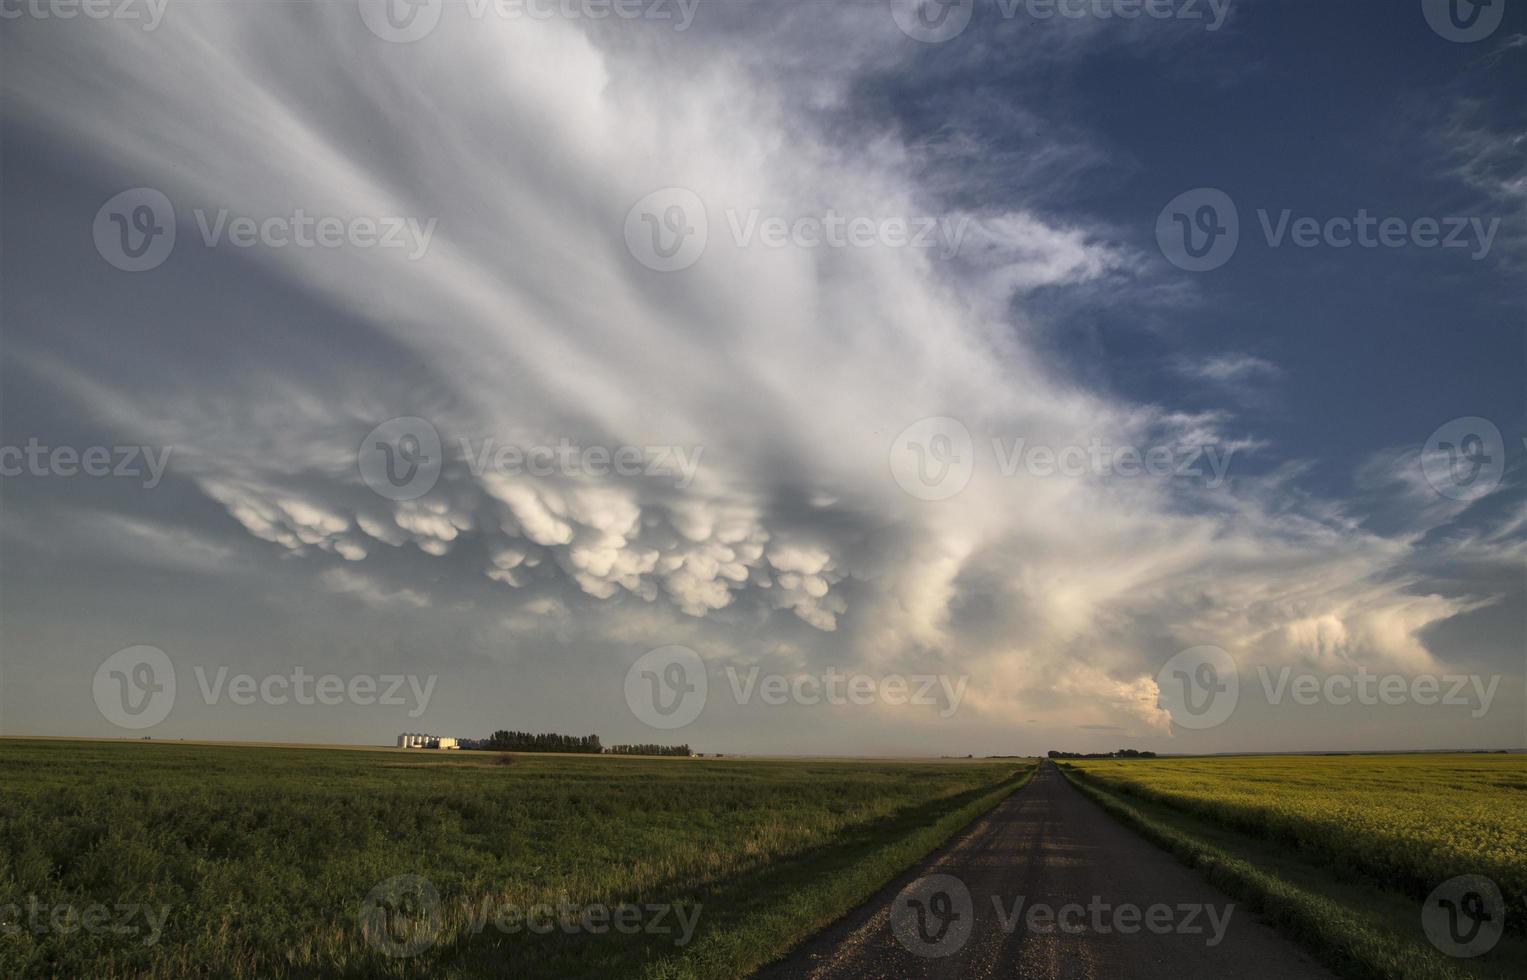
(794, 368)
(1229, 368)
(357, 585)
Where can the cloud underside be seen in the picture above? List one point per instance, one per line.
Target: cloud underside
(528, 321)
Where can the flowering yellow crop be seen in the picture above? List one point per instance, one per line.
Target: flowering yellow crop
(1408, 822)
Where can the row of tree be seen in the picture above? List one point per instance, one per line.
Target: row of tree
(648, 749)
(503, 741)
(506, 741)
(1119, 754)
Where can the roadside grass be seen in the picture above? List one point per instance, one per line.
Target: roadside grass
(1350, 924)
(757, 918)
(265, 856)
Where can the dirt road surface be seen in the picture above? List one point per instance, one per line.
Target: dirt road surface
(1048, 886)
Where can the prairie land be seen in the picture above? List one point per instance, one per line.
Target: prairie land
(1341, 851)
(1406, 821)
(136, 859)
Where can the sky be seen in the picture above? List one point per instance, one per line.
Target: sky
(892, 378)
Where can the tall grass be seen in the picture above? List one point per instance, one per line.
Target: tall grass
(1405, 822)
(264, 857)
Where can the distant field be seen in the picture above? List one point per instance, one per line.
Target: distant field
(1407, 821)
(257, 861)
(1398, 826)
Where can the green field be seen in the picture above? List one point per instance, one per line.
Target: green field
(259, 861)
(1340, 851)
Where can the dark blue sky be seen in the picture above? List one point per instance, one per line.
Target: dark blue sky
(1319, 108)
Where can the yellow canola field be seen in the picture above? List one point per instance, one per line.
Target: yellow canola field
(1408, 821)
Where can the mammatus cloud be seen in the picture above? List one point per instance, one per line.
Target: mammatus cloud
(528, 320)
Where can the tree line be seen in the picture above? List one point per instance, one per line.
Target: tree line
(647, 749)
(1118, 754)
(507, 741)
